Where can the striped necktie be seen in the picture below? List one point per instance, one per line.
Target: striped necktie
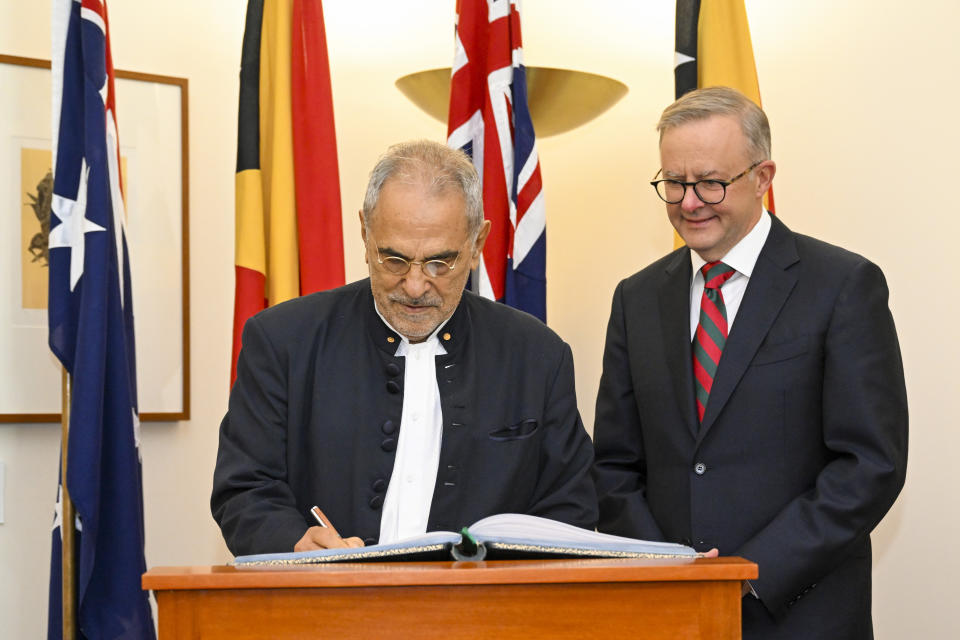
(711, 332)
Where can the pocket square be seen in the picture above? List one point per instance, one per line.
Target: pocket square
(519, 431)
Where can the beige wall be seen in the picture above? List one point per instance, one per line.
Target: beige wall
(862, 98)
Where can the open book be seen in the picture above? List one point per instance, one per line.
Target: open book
(503, 536)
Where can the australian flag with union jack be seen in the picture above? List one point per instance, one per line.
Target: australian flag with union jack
(490, 120)
(91, 333)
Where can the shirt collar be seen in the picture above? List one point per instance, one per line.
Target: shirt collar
(743, 256)
(405, 345)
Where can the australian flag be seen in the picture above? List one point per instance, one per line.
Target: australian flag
(490, 120)
(91, 333)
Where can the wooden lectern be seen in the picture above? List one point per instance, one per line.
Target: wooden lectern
(588, 598)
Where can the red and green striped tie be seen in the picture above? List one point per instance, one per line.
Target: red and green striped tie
(711, 332)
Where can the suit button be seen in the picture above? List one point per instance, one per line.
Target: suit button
(393, 387)
(369, 541)
(388, 427)
(389, 444)
(379, 485)
(699, 468)
(376, 502)
(393, 370)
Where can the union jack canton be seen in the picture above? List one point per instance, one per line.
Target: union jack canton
(490, 120)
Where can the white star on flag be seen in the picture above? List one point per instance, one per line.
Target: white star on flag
(73, 225)
(58, 511)
(58, 514)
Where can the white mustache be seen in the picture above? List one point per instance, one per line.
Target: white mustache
(423, 301)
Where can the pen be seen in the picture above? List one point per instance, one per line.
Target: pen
(318, 516)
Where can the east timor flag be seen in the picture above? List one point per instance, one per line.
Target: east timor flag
(289, 237)
(713, 48)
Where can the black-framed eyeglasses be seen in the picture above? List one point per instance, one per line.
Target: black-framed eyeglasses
(709, 191)
(398, 266)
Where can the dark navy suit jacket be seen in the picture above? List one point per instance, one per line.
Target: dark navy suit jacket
(314, 418)
(803, 444)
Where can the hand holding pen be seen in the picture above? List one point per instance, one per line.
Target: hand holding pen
(324, 536)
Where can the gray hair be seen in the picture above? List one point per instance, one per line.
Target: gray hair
(721, 101)
(436, 166)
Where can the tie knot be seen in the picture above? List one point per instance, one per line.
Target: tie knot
(715, 274)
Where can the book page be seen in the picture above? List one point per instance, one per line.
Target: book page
(428, 541)
(516, 527)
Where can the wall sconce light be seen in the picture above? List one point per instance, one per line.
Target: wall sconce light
(559, 99)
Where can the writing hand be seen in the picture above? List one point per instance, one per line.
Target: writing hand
(324, 537)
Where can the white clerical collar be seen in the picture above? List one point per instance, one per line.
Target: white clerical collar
(743, 256)
(405, 345)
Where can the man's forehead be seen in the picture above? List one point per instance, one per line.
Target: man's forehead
(417, 242)
(706, 131)
(420, 249)
(703, 145)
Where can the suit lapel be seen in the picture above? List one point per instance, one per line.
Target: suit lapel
(674, 299)
(769, 287)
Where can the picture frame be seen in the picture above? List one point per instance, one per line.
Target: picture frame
(153, 125)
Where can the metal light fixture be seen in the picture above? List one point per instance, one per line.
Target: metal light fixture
(559, 99)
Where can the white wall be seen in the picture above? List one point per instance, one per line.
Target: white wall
(862, 99)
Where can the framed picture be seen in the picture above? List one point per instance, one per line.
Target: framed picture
(153, 129)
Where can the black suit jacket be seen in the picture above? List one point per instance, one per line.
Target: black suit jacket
(803, 444)
(314, 418)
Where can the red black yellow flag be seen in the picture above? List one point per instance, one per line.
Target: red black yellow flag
(289, 236)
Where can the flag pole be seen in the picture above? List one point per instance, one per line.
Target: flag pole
(67, 565)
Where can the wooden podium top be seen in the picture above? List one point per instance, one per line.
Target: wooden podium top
(575, 599)
(381, 574)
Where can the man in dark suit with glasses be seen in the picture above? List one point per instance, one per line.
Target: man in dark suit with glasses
(752, 397)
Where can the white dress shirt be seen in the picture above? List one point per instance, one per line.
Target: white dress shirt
(742, 257)
(406, 506)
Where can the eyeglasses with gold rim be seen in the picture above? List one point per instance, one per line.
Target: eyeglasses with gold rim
(434, 268)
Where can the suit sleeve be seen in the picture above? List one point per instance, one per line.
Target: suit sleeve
(620, 469)
(565, 490)
(864, 426)
(251, 500)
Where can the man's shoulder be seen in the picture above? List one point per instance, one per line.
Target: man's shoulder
(504, 322)
(316, 308)
(819, 258)
(809, 247)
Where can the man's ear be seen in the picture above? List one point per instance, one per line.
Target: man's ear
(478, 244)
(363, 235)
(765, 173)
